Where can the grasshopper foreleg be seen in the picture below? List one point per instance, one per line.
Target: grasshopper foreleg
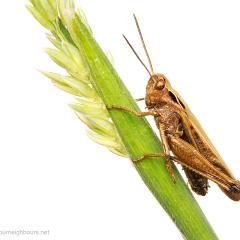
(138, 114)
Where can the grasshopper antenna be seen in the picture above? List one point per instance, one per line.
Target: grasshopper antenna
(134, 51)
(143, 43)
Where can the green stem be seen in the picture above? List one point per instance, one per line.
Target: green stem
(138, 138)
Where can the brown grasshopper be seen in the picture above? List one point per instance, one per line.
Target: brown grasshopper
(182, 136)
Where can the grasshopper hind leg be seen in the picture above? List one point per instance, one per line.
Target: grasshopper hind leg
(234, 191)
(198, 183)
(190, 158)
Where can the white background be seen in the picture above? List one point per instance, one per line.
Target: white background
(52, 177)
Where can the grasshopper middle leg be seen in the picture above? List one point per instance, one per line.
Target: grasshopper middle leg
(166, 153)
(154, 155)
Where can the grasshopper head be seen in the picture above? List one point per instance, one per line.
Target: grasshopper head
(156, 88)
(156, 82)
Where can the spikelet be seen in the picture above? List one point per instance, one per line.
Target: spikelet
(56, 16)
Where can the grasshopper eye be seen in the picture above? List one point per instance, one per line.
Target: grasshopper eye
(160, 85)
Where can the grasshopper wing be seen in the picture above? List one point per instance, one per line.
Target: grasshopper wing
(200, 141)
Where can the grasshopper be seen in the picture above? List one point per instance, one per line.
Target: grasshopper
(183, 138)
